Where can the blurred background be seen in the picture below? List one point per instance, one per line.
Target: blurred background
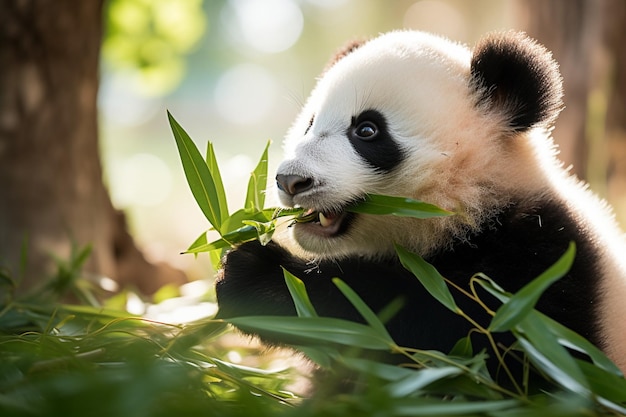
(242, 70)
(236, 72)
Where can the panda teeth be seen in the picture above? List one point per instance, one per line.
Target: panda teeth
(324, 221)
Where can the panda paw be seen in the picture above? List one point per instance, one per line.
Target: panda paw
(251, 259)
(251, 281)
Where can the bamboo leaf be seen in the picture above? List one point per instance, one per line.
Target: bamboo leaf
(520, 304)
(265, 230)
(200, 241)
(430, 408)
(381, 370)
(610, 387)
(237, 219)
(243, 234)
(311, 330)
(573, 340)
(566, 337)
(420, 379)
(255, 197)
(284, 211)
(463, 348)
(428, 276)
(492, 287)
(398, 206)
(548, 355)
(299, 295)
(198, 175)
(214, 169)
(208, 247)
(364, 310)
(319, 355)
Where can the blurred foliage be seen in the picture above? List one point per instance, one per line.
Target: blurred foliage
(91, 359)
(150, 39)
(74, 359)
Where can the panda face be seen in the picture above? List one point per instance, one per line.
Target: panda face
(399, 115)
(372, 125)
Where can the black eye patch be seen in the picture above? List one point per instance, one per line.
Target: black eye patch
(369, 136)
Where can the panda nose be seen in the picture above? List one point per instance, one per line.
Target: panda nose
(293, 184)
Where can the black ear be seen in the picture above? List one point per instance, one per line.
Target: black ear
(517, 77)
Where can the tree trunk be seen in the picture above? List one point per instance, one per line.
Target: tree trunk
(51, 190)
(587, 38)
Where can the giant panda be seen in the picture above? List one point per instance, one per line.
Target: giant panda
(416, 115)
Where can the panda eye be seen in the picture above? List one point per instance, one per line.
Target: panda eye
(366, 130)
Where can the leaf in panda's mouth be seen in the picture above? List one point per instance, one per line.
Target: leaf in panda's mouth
(325, 219)
(397, 206)
(325, 224)
(307, 216)
(378, 204)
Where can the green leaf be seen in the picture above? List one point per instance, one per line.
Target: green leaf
(381, 370)
(609, 387)
(463, 348)
(243, 234)
(520, 304)
(411, 407)
(101, 313)
(200, 241)
(389, 311)
(320, 355)
(398, 206)
(565, 336)
(310, 330)
(299, 295)
(238, 218)
(214, 169)
(549, 356)
(573, 340)
(428, 276)
(198, 176)
(208, 247)
(364, 310)
(492, 287)
(215, 257)
(419, 379)
(255, 197)
(284, 212)
(265, 230)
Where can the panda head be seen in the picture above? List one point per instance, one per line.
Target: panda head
(411, 114)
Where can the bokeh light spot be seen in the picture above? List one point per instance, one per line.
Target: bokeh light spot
(245, 94)
(141, 180)
(268, 26)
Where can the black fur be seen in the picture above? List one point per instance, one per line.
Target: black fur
(381, 152)
(521, 243)
(518, 78)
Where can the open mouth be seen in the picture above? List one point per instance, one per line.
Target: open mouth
(324, 223)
